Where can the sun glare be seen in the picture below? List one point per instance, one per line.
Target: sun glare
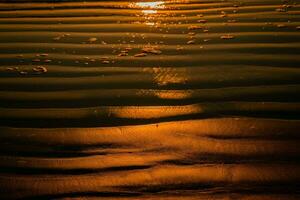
(149, 10)
(152, 5)
(149, 7)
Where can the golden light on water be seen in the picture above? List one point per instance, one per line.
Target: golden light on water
(173, 94)
(152, 112)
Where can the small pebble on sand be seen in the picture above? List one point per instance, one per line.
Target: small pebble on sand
(194, 27)
(105, 62)
(140, 55)
(202, 21)
(93, 39)
(40, 69)
(191, 42)
(281, 25)
(151, 50)
(227, 37)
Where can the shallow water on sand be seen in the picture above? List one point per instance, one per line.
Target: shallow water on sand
(179, 99)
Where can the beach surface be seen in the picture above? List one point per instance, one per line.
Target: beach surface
(131, 100)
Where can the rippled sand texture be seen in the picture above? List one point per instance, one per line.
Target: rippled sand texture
(175, 100)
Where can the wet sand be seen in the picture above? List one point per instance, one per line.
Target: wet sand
(132, 100)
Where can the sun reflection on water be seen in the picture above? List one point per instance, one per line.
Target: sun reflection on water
(151, 5)
(149, 10)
